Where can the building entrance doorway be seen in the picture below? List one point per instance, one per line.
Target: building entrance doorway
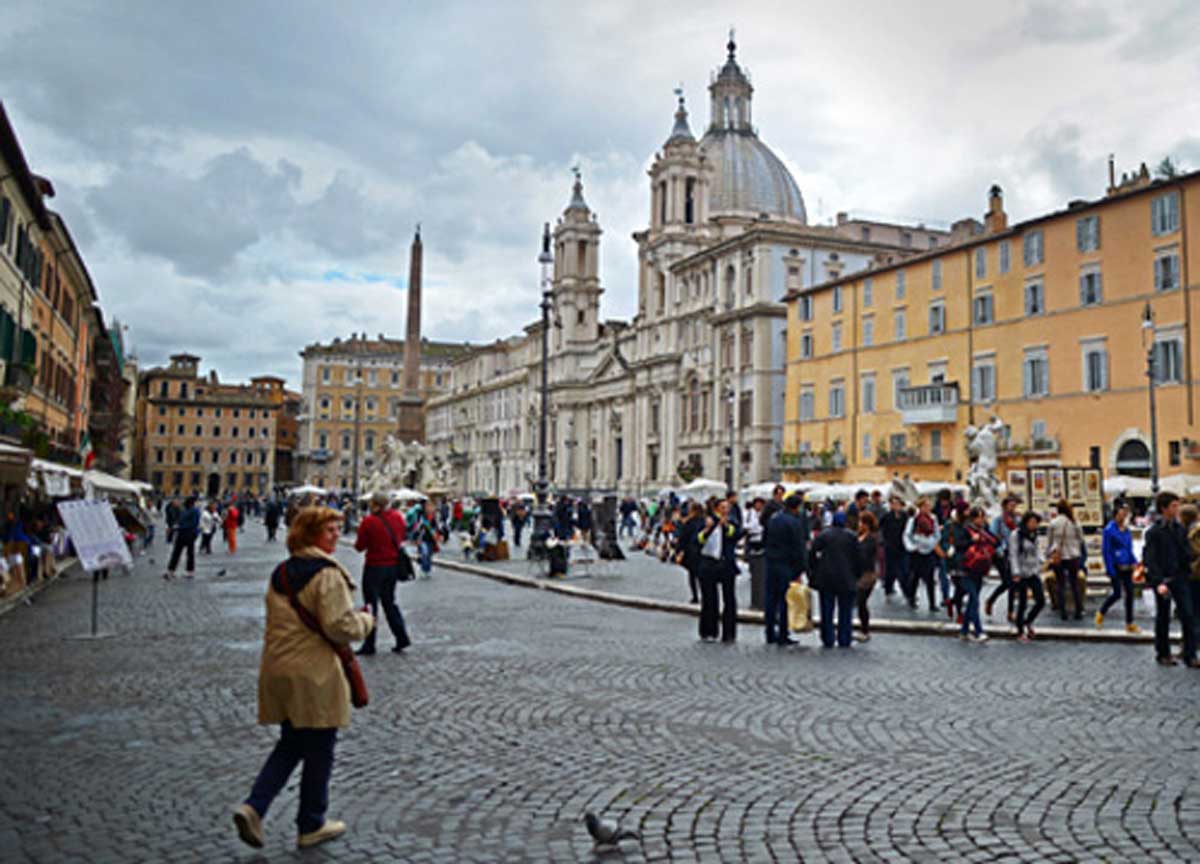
(214, 485)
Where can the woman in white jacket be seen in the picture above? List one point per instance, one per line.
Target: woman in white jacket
(208, 527)
(920, 539)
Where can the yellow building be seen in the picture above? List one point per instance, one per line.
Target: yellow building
(359, 373)
(1039, 323)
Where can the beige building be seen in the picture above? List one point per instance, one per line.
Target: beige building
(364, 374)
(198, 436)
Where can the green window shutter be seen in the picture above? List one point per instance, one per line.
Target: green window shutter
(28, 347)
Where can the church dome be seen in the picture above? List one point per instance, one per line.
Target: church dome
(747, 178)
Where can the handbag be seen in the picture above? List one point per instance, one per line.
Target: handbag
(354, 677)
(404, 568)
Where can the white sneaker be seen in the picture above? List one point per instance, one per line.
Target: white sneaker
(982, 637)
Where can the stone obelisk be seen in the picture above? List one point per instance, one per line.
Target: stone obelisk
(411, 426)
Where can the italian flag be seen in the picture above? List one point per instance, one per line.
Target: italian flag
(86, 454)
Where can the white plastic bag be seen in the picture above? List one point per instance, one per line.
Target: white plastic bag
(712, 545)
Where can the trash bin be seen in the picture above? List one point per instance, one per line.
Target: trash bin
(758, 578)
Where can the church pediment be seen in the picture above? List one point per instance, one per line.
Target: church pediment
(612, 367)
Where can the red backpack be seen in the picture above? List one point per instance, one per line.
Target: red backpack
(977, 560)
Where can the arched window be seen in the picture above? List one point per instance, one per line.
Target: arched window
(749, 280)
(1134, 458)
(730, 286)
(693, 405)
(689, 201)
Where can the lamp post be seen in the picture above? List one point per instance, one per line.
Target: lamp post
(541, 513)
(353, 509)
(1148, 328)
(729, 479)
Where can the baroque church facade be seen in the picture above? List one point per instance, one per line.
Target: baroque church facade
(694, 384)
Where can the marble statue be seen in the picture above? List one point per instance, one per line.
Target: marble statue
(983, 484)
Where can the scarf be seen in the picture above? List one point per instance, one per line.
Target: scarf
(924, 524)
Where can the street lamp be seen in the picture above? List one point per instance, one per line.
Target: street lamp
(729, 478)
(1148, 328)
(541, 513)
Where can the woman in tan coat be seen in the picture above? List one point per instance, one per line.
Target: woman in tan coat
(301, 684)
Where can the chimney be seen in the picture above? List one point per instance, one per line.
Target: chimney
(1112, 174)
(996, 219)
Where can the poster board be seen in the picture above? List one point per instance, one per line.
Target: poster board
(98, 539)
(1043, 486)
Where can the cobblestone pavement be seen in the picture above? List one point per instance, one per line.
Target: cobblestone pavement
(643, 575)
(516, 711)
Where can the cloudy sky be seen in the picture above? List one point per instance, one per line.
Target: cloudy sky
(244, 177)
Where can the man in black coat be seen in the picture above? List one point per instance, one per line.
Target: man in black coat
(787, 558)
(895, 558)
(1167, 559)
(773, 506)
(835, 572)
(688, 549)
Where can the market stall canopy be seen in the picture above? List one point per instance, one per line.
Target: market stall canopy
(110, 485)
(58, 481)
(306, 490)
(701, 487)
(765, 490)
(1123, 484)
(1180, 484)
(401, 494)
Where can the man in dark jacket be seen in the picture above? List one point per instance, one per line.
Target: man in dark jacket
(835, 572)
(187, 526)
(1168, 565)
(895, 558)
(688, 554)
(787, 559)
(773, 506)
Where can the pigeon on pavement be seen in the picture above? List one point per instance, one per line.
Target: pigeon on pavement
(607, 832)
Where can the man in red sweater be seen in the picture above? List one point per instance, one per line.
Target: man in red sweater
(380, 535)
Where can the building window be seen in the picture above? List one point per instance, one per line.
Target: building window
(1174, 453)
(1095, 369)
(1035, 298)
(868, 334)
(234, 431)
(837, 399)
(197, 457)
(1005, 257)
(345, 441)
(237, 412)
(323, 441)
(369, 442)
(899, 382)
(179, 429)
(868, 293)
(806, 345)
(1032, 248)
(808, 402)
(935, 444)
(1164, 213)
(981, 263)
(1089, 288)
(233, 457)
(806, 307)
(1087, 234)
(984, 307)
(837, 299)
(868, 394)
(937, 275)
(178, 457)
(865, 233)
(1166, 272)
(252, 431)
(836, 336)
(164, 390)
(937, 318)
(746, 408)
(900, 325)
(216, 457)
(901, 285)
(325, 374)
(159, 455)
(1035, 373)
(983, 381)
(1168, 360)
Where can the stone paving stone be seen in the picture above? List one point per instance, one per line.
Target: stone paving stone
(515, 711)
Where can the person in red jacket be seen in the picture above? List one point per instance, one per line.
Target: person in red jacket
(381, 535)
(231, 527)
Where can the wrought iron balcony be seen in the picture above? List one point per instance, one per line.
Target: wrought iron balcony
(320, 454)
(929, 404)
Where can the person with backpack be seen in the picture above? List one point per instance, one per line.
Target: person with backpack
(976, 561)
(1065, 548)
(1025, 561)
(381, 536)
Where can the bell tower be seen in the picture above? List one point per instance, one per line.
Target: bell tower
(577, 269)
